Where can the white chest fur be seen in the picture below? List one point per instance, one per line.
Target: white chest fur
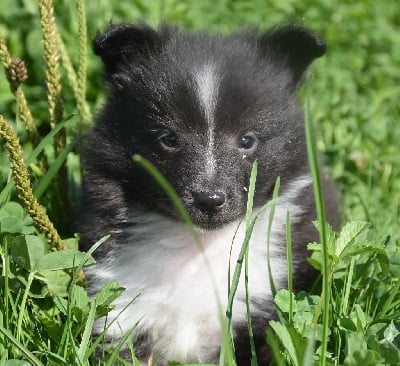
(178, 292)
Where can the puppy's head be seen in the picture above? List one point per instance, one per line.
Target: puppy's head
(202, 108)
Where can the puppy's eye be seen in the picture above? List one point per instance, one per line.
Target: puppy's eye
(247, 142)
(169, 140)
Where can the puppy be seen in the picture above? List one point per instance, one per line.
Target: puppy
(202, 108)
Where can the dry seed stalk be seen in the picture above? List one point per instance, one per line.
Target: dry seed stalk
(16, 73)
(23, 186)
(5, 57)
(54, 88)
(51, 56)
(83, 108)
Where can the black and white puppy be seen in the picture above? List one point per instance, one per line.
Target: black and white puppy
(202, 108)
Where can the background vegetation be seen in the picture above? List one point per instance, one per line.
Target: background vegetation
(354, 91)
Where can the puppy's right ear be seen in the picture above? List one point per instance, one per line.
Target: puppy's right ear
(126, 44)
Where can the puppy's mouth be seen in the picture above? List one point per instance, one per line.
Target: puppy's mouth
(203, 219)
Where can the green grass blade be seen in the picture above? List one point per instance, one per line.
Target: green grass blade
(254, 361)
(48, 139)
(22, 309)
(249, 211)
(283, 333)
(6, 271)
(270, 220)
(274, 345)
(308, 354)
(53, 170)
(320, 205)
(347, 287)
(87, 255)
(227, 355)
(66, 331)
(250, 196)
(289, 265)
(100, 338)
(113, 356)
(390, 303)
(243, 250)
(29, 356)
(87, 334)
(169, 190)
(239, 261)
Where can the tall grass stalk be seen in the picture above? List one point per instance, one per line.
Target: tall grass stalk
(321, 215)
(269, 231)
(245, 245)
(275, 349)
(21, 314)
(289, 265)
(5, 273)
(82, 106)
(249, 211)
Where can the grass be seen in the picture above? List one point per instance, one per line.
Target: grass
(354, 92)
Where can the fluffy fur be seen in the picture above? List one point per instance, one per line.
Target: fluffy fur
(202, 108)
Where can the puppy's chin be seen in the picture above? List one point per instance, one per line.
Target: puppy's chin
(209, 222)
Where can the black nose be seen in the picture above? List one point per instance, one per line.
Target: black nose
(209, 201)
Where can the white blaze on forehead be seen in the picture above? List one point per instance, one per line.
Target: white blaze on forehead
(207, 83)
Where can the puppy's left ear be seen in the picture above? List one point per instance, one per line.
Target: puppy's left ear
(292, 49)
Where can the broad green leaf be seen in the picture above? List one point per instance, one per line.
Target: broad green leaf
(361, 317)
(394, 263)
(28, 250)
(12, 209)
(284, 336)
(49, 318)
(71, 243)
(106, 296)
(391, 332)
(347, 324)
(358, 352)
(330, 236)
(11, 224)
(57, 282)
(307, 302)
(382, 339)
(282, 301)
(63, 259)
(79, 296)
(348, 235)
(79, 302)
(61, 304)
(14, 220)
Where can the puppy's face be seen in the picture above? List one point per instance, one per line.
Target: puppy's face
(202, 109)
